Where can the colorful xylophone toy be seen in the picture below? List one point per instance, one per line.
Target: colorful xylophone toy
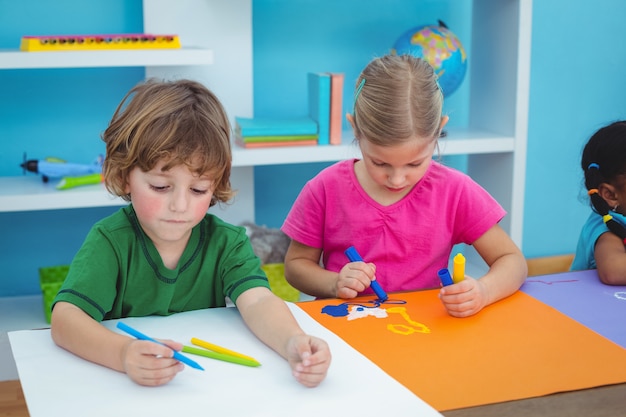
(98, 42)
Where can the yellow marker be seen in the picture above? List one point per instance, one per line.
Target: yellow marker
(220, 356)
(458, 269)
(219, 349)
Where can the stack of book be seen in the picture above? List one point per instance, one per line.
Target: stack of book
(322, 125)
(267, 132)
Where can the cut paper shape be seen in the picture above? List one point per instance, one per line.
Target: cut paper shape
(551, 282)
(336, 311)
(620, 295)
(342, 310)
(359, 312)
(403, 328)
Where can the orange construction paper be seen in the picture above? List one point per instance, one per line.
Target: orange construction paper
(516, 348)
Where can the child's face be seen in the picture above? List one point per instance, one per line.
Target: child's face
(169, 203)
(396, 169)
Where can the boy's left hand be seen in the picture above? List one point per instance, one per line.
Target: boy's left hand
(309, 358)
(464, 298)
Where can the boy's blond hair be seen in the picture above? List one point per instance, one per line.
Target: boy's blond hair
(179, 122)
(397, 98)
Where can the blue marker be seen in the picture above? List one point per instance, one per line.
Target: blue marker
(177, 355)
(354, 256)
(444, 276)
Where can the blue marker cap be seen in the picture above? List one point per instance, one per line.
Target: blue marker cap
(444, 276)
(354, 256)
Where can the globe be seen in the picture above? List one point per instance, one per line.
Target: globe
(440, 48)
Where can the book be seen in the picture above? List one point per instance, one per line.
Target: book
(280, 138)
(275, 144)
(336, 107)
(245, 126)
(319, 104)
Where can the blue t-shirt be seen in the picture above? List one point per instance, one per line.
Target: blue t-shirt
(591, 231)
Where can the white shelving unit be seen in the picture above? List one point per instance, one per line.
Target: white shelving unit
(12, 59)
(495, 139)
(27, 193)
(499, 86)
(217, 36)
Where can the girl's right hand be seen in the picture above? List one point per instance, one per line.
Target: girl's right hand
(148, 363)
(354, 278)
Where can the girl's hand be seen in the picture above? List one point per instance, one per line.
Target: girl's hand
(354, 278)
(464, 298)
(309, 358)
(151, 364)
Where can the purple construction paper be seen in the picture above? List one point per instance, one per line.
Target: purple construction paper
(581, 296)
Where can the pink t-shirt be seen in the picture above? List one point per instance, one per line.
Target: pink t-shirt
(410, 240)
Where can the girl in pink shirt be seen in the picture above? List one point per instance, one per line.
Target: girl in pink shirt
(400, 209)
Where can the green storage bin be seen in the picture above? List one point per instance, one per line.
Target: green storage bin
(50, 279)
(279, 285)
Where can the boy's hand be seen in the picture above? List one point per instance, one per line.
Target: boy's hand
(354, 278)
(464, 298)
(309, 358)
(151, 364)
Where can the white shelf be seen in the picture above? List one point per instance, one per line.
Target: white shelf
(15, 59)
(459, 141)
(29, 193)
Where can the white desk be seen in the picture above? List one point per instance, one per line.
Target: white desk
(55, 382)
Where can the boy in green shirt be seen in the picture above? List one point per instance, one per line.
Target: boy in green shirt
(168, 153)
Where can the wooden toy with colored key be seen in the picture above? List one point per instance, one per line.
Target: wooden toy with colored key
(98, 42)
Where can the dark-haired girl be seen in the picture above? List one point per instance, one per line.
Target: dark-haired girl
(602, 241)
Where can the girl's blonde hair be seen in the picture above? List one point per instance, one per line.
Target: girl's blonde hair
(397, 98)
(180, 122)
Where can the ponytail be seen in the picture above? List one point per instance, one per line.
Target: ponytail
(594, 179)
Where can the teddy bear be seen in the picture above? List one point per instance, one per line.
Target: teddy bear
(269, 244)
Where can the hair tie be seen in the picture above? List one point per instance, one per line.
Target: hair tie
(357, 93)
(601, 206)
(358, 89)
(439, 87)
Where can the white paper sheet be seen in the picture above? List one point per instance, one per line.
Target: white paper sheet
(55, 382)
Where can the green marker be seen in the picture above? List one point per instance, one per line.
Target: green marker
(71, 182)
(220, 356)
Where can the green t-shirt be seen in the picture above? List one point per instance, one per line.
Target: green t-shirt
(118, 272)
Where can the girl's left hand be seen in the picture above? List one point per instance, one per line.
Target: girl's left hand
(464, 298)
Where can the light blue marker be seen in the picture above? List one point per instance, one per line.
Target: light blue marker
(177, 355)
(354, 256)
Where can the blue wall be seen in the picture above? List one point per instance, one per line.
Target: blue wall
(30, 104)
(577, 85)
(292, 38)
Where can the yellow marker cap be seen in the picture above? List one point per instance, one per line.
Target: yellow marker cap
(458, 270)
